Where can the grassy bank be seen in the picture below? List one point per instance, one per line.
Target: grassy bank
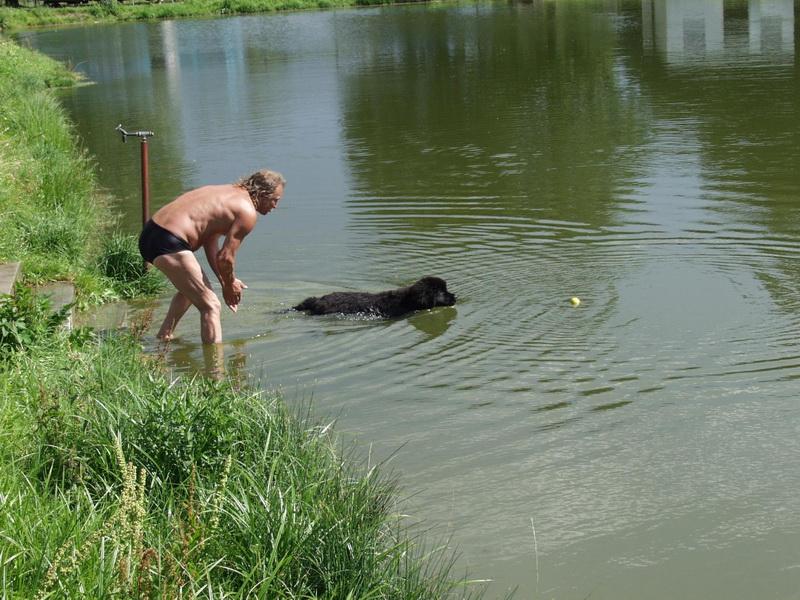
(111, 10)
(52, 217)
(117, 481)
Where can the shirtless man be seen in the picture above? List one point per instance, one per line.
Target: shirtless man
(200, 218)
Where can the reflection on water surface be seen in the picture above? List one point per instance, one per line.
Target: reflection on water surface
(639, 155)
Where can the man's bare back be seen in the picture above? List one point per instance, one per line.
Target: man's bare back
(211, 210)
(199, 218)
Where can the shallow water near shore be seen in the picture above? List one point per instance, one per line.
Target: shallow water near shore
(641, 156)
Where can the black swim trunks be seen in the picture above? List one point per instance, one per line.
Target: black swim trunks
(156, 241)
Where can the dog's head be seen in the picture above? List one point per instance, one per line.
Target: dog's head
(432, 291)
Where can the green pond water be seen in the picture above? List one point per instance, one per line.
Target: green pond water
(643, 156)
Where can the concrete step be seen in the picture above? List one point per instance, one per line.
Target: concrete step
(115, 315)
(60, 293)
(8, 275)
(107, 317)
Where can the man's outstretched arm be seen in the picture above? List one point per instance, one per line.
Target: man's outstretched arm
(226, 260)
(211, 248)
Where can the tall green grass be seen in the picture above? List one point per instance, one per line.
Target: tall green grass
(46, 180)
(120, 482)
(122, 264)
(50, 208)
(26, 319)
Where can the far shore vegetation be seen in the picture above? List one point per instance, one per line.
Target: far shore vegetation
(118, 480)
(105, 11)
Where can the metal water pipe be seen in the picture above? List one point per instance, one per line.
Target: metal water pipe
(142, 135)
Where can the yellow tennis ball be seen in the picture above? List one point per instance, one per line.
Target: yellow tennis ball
(575, 301)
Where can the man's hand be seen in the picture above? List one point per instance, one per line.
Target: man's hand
(233, 295)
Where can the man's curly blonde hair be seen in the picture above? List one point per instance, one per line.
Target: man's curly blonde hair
(262, 184)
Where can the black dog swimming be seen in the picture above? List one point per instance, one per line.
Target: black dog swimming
(425, 293)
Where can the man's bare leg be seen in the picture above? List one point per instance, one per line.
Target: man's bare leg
(185, 273)
(177, 308)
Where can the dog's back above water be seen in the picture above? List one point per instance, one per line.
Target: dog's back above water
(428, 292)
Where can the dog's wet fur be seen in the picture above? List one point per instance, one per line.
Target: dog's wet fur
(428, 292)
